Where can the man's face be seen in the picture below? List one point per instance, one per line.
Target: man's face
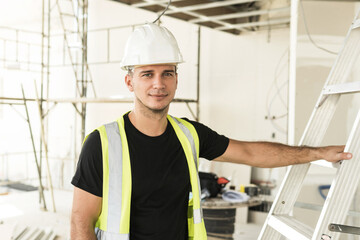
(154, 86)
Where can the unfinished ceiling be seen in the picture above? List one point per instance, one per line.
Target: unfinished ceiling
(233, 16)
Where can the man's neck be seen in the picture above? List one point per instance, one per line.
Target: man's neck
(151, 124)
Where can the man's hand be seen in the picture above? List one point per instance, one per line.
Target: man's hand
(334, 153)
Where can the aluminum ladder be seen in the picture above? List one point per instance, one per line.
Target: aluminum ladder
(280, 223)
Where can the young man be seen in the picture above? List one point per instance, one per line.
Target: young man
(134, 175)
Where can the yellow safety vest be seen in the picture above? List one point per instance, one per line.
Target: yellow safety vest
(114, 220)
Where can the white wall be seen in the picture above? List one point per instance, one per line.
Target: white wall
(243, 80)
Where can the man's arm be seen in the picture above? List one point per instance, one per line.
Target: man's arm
(269, 155)
(85, 211)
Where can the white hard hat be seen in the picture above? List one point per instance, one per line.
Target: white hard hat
(151, 44)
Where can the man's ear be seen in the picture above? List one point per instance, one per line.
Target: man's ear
(128, 82)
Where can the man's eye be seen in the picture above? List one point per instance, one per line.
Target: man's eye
(168, 74)
(146, 75)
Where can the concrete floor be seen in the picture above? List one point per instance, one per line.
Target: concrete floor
(25, 211)
(20, 209)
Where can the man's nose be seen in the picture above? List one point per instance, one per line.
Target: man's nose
(158, 81)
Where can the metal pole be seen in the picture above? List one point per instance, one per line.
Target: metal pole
(34, 149)
(45, 148)
(84, 65)
(292, 72)
(46, 123)
(198, 76)
(42, 75)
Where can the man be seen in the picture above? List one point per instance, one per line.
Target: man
(134, 175)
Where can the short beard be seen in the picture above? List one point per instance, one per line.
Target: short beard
(158, 112)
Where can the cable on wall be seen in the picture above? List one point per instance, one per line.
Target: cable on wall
(167, 7)
(278, 71)
(308, 33)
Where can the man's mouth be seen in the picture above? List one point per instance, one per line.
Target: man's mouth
(161, 95)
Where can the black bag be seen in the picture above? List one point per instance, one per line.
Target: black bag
(209, 181)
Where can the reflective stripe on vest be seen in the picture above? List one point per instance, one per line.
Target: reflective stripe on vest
(181, 130)
(114, 220)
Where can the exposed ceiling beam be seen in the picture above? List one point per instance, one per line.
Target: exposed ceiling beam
(240, 15)
(153, 2)
(331, 0)
(190, 13)
(190, 10)
(210, 5)
(241, 26)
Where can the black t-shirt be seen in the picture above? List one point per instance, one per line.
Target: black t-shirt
(160, 178)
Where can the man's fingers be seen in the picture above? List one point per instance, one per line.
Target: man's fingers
(346, 156)
(341, 154)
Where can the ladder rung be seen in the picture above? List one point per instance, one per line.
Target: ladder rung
(356, 24)
(316, 207)
(290, 227)
(327, 164)
(350, 87)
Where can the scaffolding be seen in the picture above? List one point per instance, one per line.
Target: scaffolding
(73, 16)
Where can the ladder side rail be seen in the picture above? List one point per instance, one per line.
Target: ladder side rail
(345, 56)
(291, 186)
(341, 62)
(313, 134)
(343, 188)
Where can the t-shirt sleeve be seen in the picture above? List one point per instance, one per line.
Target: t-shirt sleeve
(89, 175)
(212, 144)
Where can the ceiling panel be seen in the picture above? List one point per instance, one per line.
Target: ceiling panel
(233, 16)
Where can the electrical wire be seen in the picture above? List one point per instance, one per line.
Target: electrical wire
(268, 21)
(308, 33)
(278, 72)
(269, 103)
(272, 120)
(167, 7)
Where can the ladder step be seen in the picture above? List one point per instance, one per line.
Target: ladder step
(356, 24)
(350, 87)
(290, 227)
(327, 164)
